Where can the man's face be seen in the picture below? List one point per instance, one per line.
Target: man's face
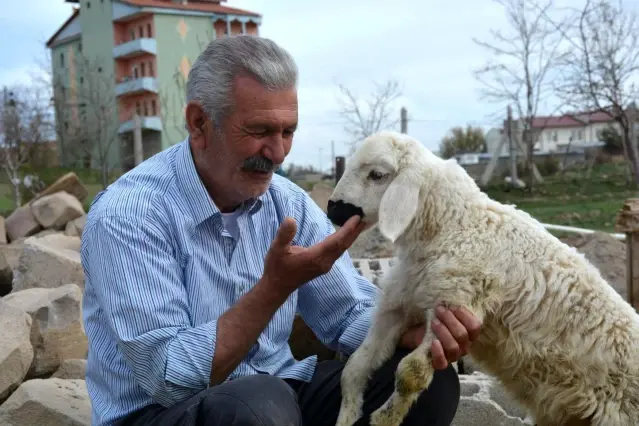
(237, 161)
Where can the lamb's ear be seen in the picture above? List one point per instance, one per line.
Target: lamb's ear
(398, 206)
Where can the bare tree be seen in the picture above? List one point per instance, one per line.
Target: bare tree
(23, 125)
(365, 117)
(600, 68)
(91, 132)
(521, 66)
(172, 101)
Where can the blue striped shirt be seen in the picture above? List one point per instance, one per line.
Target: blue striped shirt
(161, 267)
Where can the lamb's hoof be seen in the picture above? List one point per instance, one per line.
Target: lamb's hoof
(385, 417)
(347, 417)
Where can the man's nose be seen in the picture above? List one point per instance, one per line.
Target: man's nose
(274, 149)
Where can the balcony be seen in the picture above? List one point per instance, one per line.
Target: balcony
(146, 123)
(135, 47)
(137, 86)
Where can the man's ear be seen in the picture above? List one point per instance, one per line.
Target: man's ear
(398, 206)
(195, 122)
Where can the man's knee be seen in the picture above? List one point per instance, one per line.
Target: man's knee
(253, 400)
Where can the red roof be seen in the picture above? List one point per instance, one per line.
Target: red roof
(200, 6)
(571, 120)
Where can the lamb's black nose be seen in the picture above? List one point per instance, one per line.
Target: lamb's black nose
(339, 212)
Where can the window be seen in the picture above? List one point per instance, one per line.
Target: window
(79, 47)
(146, 110)
(61, 59)
(138, 110)
(132, 34)
(88, 5)
(151, 69)
(580, 135)
(148, 30)
(141, 31)
(135, 72)
(153, 107)
(99, 69)
(142, 69)
(554, 136)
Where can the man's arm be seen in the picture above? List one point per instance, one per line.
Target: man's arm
(338, 305)
(133, 270)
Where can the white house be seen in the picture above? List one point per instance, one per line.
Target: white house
(558, 133)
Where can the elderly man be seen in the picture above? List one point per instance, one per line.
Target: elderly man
(197, 261)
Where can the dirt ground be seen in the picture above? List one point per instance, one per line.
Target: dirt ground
(605, 252)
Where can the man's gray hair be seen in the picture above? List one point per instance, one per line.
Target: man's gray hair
(211, 77)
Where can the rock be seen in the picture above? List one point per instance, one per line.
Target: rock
(51, 402)
(6, 275)
(478, 408)
(57, 333)
(75, 228)
(43, 266)
(57, 209)
(16, 353)
(58, 240)
(21, 223)
(69, 183)
(71, 369)
(3, 231)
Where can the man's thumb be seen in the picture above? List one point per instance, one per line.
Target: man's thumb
(286, 232)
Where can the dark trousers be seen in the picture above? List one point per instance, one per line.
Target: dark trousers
(264, 400)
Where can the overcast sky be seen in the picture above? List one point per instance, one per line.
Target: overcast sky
(427, 48)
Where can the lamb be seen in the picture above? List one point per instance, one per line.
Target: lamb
(558, 337)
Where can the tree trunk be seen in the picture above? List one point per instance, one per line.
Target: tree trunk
(104, 175)
(631, 152)
(17, 194)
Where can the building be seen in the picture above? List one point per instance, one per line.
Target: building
(114, 58)
(559, 133)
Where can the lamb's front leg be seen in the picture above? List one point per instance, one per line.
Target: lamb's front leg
(378, 346)
(414, 374)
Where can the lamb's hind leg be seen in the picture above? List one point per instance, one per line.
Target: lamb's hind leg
(414, 374)
(378, 346)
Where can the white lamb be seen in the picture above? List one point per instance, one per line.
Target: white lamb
(555, 334)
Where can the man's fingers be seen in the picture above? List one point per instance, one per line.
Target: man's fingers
(285, 233)
(448, 342)
(438, 355)
(334, 245)
(470, 322)
(454, 326)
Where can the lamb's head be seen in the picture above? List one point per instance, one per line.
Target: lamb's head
(382, 182)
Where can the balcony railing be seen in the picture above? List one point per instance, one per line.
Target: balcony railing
(135, 47)
(137, 85)
(146, 123)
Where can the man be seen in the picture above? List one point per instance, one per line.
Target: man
(197, 261)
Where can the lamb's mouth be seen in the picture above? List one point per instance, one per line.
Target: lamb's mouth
(339, 212)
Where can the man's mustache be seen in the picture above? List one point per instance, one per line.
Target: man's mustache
(259, 163)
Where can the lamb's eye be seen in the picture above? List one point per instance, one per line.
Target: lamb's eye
(375, 175)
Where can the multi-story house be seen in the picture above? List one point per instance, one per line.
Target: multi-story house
(112, 59)
(559, 133)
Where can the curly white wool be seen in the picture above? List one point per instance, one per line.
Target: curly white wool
(561, 340)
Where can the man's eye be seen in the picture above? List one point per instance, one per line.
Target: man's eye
(375, 175)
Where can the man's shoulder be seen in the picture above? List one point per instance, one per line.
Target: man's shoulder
(136, 194)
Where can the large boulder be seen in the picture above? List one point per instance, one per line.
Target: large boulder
(21, 223)
(56, 210)
(16, 352)
(71, 369)
(483, 403)
(51, 402)
(42, 266)
(57, 332)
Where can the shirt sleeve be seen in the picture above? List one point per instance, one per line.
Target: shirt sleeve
(338, 305)
(131, 268)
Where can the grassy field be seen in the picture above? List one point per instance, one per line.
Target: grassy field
(575, 198)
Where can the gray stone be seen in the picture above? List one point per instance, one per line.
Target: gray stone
(71, 369)
(16, 352)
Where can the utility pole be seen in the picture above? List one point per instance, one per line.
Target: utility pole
(320, 160)
(138, 155)
(511, 145)
(403, 118)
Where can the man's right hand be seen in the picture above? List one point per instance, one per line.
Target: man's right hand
(287, 267)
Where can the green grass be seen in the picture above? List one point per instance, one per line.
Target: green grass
(575, 199)
(7, 205)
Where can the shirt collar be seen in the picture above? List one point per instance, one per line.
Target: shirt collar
(198, 199)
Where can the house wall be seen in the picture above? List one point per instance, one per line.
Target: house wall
(97, 44)
(552, 139)
(180, 39)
